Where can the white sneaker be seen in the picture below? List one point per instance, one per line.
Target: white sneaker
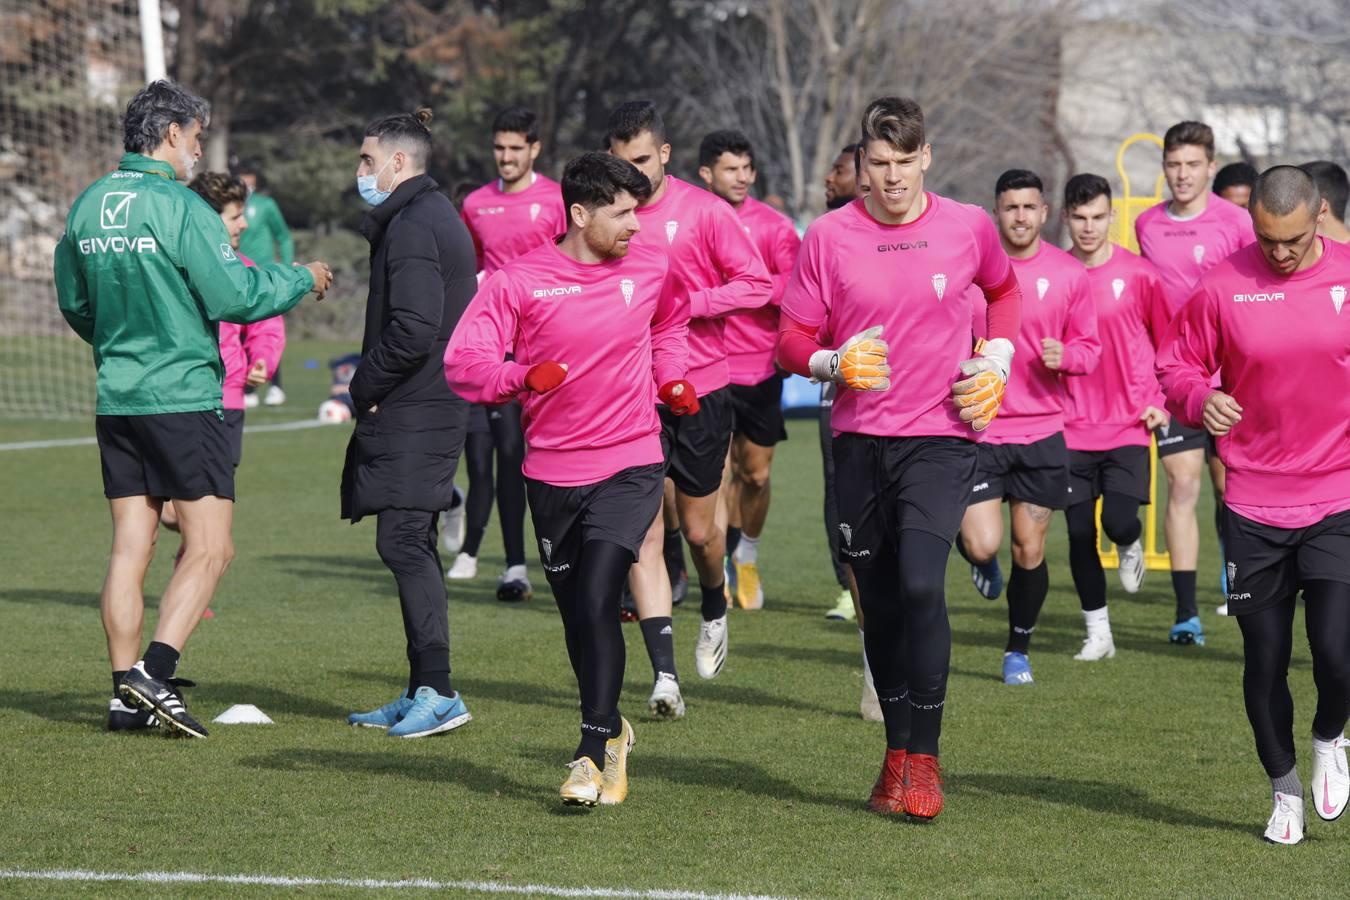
(1221, 610)
(251, 400)
(1330, 780)
(453, 525)
(711, 650)
(870, 707)
(1132, 567)
(1097, 646)
(275, 396)
(514, 585)
(465, 567)
(666, 700)
(1286, 820)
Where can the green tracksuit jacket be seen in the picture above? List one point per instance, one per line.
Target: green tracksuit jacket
(143, 273)
(266, 239)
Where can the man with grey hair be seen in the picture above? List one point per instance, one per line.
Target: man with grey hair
(144, 273)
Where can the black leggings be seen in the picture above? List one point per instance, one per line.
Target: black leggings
(908, 637)
(831, 496)
(504, 436)
(1120, 521)
(1267, 641)
(406, 542)
(588, 600)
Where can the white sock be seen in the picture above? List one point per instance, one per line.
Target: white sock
(1098, 621)
(747, 551)
(515, 573)
(1326, 746)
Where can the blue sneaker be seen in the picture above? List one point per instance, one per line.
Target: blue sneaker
(1188, 632)
(1016, 669)
(988, 579)
(386, 716)
(431, 714)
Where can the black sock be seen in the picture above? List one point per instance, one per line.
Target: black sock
(1026, 595)
(432, 669)
(117, 680)
(673, 550)
(895, 711)
(659, 634)
(595, 731)
(1183, 583)
(714, 602)
(161, 660)
(733, 538)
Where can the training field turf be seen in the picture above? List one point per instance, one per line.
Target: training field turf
(1131, 776)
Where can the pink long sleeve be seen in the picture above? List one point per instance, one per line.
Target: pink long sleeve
(745, 280)
(670, 336)
(1082, 346)
(1188, 358)
(474, 366)
(266, 341)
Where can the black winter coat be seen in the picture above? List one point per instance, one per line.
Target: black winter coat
(423, 274)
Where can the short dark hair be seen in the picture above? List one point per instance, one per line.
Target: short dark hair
(1235, 174)
(594, 179)
(517, 120)
(855, 152)
(1332, 184)
(408, 130)
(154, 108)
(219, 189)
(1189, 134)
(1016, 180)
(896, 120)
(1084, 188)
(1281, 190)
(630, 119)
(726, 140)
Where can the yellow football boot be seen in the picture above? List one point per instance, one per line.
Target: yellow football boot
(582, 787)
(614, 779)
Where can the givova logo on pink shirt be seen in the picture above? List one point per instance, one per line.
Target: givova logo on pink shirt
(550, 292)
(1261, 297)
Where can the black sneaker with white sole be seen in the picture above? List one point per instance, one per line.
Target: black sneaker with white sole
(122, 717)
(162, 698)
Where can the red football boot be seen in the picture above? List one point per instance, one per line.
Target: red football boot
(888, 794)
(923, 786)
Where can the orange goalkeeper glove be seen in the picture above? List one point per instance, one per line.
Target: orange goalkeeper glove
(980, 394)
(859, 364)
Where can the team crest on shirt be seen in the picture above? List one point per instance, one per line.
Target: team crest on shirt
(1338, 297)
(846, 531)
(535, 209)
(626, 286)
(671, 227)
(547, 546)
(939, 284)
(1042, 285)
(1198, 251)
(1117, 286)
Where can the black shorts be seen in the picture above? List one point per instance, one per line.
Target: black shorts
(618, 510)
(1266, 565)
(757, 411)
(1121, 470)
(1035, 473)
(1177, 438)
(172, 456)
(696, 446)
(234, 422)
(889, 484)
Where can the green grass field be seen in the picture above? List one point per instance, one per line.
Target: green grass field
(1134, 776)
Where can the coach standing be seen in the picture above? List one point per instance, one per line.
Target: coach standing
(409, 426)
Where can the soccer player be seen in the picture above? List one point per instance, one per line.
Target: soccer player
(716, 271)
(1185, 237)
(512, 215)
(1269, 320)
(1334, 187)
(841, 182)
(143, 273)
(1234, 183)
(893, 268)
(267, 239)
(1024, 458)
(727, 167)
(595, 326)
(1110, 414)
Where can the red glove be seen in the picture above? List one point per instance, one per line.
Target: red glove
(679, 397)
(545, 376)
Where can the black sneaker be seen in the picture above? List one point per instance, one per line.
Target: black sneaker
(163, 698)
(129, 718)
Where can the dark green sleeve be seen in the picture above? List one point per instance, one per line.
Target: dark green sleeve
(285, 246)
(72, 294)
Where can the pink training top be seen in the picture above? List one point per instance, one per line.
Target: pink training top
(1056, 303)
(715, 267)
(1103, 408)
(243, 345)
(752, 337)
(1183, 250)
(854, 272)
(614, 325)
(1282, 346)
(505, 225)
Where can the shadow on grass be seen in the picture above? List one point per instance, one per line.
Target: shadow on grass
(851, 658)
(70, 707)
(1095, 796)
(46, 596)
(270, 699)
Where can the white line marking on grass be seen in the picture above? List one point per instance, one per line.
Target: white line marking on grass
(299, 425)
(374, 884)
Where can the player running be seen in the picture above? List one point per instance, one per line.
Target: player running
(595, 327)
(512, 215)
(1185, 237)
(892, 270)
(1110, 414)
(1334, 187)
(716, 271)
(1270, 321)
(727, 166)
(1024, 458)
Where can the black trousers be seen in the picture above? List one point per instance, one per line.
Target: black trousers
(406, 541)
(831, 495)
